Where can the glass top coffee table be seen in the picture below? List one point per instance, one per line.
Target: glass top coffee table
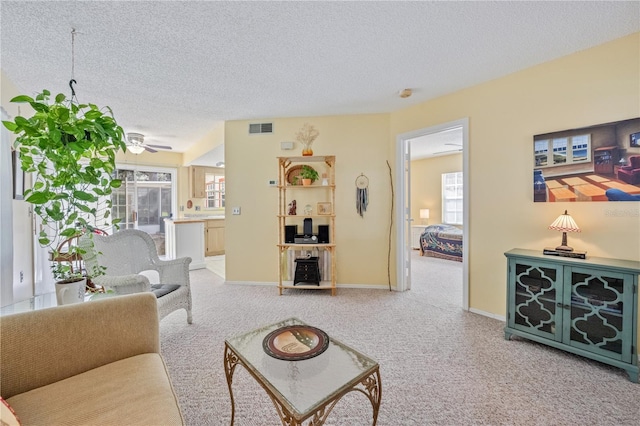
(308, 388)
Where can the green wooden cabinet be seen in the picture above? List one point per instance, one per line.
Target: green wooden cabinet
(585, 306)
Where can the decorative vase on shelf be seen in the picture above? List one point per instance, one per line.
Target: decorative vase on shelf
(306, 136)
(307, 151)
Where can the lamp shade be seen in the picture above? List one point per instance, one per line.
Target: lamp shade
(424, 213)
(565, 223)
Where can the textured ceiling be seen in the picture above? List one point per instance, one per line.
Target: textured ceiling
(172, 70)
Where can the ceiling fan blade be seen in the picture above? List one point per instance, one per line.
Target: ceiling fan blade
(158, 146)
(450, 150)
(149, 149)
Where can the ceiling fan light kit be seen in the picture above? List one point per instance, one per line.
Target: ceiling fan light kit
(136, 144)
(136, 149)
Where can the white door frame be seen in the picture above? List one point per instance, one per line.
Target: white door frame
(404, 217)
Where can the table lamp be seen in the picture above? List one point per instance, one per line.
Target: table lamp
(564, 223)
(424, 214)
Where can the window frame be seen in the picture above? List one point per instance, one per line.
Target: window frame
(214, 191)
(457, 200)
(553, 145)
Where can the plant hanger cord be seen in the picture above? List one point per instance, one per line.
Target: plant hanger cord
(73, 65)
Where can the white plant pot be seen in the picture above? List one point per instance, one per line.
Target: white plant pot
(73, 292)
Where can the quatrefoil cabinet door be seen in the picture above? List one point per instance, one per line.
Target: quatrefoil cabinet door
(598, 314)
(535, 292)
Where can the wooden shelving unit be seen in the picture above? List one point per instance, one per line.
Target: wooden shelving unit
(604, 159)
(311, 195)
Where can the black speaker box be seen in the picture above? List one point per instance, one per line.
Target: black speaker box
(323, 234)
(308, 227)
(290, 232)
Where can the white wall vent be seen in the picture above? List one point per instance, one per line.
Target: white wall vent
(260, 128)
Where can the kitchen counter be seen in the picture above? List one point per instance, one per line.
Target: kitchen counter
(197, 218)
(185, 238)
(185, 220)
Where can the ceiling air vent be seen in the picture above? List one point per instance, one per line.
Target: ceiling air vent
(260, 128)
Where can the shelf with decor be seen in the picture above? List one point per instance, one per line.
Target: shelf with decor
(306, 223)
(583, 306)
(605, 159)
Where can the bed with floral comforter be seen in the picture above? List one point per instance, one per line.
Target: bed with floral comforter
(442, 241)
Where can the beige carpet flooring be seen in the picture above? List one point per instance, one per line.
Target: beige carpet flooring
(439, 364)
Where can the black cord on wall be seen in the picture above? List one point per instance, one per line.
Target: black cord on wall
(390, 227)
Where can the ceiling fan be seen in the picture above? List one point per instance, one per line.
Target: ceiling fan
(459, 145)
(135, 144)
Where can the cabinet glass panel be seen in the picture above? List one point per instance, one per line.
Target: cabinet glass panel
(535, 298)
(597, 311)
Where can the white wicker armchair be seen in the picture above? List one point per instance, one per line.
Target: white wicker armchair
(127, 253)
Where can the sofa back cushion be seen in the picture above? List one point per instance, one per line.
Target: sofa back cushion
(45, 346)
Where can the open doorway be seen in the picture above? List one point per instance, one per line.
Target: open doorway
(147, 196)
(432, 178)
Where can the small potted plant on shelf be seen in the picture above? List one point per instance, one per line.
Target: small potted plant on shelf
(308, 175)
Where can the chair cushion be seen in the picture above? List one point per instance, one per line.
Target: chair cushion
(163, 289)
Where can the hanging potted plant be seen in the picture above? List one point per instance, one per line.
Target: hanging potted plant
(70, 148)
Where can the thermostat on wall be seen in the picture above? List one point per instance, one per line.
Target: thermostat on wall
(286, 145)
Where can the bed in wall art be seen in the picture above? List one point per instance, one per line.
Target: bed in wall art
(442, 241)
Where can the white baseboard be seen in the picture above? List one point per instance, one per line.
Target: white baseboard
(488, 314)
(274, 284)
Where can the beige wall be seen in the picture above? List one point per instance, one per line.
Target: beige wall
(359, 143)
(598, 85)
(426, 185)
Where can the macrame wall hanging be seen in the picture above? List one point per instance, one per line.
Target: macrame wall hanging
(362, 194)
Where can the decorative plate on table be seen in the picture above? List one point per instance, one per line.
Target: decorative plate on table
(295, 342)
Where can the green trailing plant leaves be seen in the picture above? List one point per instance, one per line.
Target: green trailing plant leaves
(10, 125)
(37, 198)
(22, 122)
(21, 99)
(39, 107)
(71, 150)
(69, 232)
(92, 115)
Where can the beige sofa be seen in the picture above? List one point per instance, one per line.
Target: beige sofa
(91, 363)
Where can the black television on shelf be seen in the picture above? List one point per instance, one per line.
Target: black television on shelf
(635, 139)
